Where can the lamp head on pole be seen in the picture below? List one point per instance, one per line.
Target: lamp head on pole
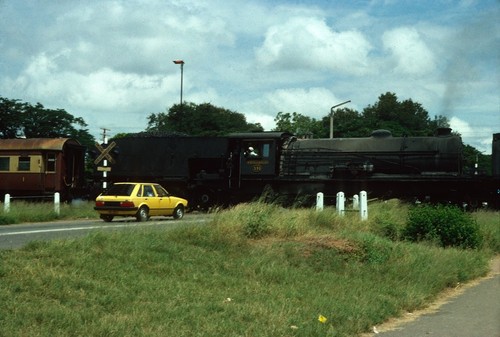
(178, 61)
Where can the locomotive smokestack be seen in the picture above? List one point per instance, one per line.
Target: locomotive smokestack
(441, 132)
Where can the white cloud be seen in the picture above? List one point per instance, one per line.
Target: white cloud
(110, 62)
(408, 51)
(308, 43)
(478, 137)
(313, 102)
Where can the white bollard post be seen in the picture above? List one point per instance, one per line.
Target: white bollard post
(319, 201)
(355, 202)
(340, 203)
(363, 209)
(57, 203)
(6, 205)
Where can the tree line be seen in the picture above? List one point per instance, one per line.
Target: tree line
(401, 117)
(24, 120)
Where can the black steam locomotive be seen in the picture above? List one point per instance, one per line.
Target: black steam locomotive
(224, 170)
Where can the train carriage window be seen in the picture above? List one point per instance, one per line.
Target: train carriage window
(51, 162)
(4, 163)
(24, 164)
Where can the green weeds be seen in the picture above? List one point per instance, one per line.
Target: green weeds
(22, 211)
(255, 270)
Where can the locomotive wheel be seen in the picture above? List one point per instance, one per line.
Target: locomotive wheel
(179, 212)
(107, 218)
(142, 214)
(206, 199)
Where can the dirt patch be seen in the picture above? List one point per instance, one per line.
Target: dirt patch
(315, 243)
(442, 299)
(328, 242)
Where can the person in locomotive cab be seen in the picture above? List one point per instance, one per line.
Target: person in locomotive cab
(250, 152)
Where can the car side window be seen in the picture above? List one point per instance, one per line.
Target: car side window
(139, 191)
(161, 191)
(148, 191)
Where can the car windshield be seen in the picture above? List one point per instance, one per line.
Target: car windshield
(120, 189)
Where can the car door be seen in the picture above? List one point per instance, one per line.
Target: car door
(151, 199)
(164, 201)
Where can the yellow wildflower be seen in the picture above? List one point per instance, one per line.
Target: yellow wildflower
(322, 319)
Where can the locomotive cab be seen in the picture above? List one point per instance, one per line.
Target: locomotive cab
(257, 158)
(257, 153)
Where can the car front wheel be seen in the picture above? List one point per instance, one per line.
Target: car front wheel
(179, 212)
(142, 214)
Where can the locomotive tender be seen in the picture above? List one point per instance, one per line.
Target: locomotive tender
(239, 167)
(38, 167)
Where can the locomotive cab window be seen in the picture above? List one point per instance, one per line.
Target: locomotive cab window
(4, 163)
(24, 164)
(256, 150)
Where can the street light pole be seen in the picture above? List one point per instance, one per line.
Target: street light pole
(331, 116)
(181, 62)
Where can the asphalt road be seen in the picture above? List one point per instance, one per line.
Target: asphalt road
(16, 236)
(475, 312)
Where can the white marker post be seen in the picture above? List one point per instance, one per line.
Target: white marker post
(6, 205)
(57, 203)
(340, 203)
(319, 201)
(363, 209)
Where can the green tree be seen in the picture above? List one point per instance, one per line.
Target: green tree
(300, 125)
(11, 117)
(401, 118)
(18, 119)
(472, 156)
(346, 123)
(202, 120)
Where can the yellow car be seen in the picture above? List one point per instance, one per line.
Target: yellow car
(140, 200)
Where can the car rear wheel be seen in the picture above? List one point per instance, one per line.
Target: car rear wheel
(179, 212)
(142, 214)
(107, 218)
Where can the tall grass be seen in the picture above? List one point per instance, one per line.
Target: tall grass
(22, 211)
(255, 270)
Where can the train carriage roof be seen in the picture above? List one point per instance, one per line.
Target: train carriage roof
(55, 144)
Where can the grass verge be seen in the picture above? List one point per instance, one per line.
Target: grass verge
(22, 211)
(256, 270)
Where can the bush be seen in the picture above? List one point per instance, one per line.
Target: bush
(255, 219)
(6, 219)
(448, 226)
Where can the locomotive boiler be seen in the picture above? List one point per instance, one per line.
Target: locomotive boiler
(414, 168)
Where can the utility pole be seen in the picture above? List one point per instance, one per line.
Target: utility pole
(105, 161)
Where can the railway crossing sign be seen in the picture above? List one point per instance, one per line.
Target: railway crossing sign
(104, 152)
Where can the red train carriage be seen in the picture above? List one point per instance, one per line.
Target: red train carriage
(42, 166)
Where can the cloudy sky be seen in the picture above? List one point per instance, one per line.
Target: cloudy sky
(110, 62)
